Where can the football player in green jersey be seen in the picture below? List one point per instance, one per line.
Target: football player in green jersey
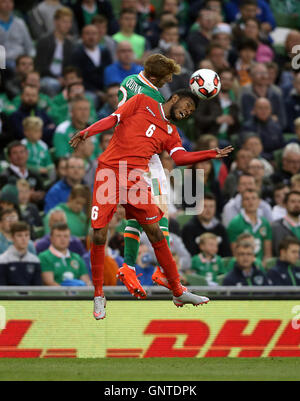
(158, 70)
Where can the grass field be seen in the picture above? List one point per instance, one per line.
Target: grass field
(151, 369)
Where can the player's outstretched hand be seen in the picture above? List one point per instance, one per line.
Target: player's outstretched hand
(76, 139)
(224, 152)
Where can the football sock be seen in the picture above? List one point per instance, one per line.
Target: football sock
(132, 234)
(97, 267)
(164, 226)
(167, 262)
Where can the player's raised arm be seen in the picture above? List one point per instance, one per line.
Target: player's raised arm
(182, 157)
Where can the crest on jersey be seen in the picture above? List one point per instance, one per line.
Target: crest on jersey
(170, 129)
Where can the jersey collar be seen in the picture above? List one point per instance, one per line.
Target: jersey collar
(163, 113)
(146, 81)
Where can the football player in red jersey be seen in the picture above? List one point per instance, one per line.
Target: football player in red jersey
(143, 129)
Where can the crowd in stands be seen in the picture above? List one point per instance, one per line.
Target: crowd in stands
(64, 62)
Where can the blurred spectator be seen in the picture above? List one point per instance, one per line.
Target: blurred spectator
(143, 266)
(241, 10)
(216, 54)
(60, 110)
(290, 164)
(260, 88)
(18, 266)
(219, 116)
(279, 209)
(61, 168)
(207, 142)
(268, 129)
(242, 160)
(295, 183)
(29, 107)
(244, 271)
(264, 52)
(41, 18)
(58, 216)
(86, 10)
(234, 206)
(146, 15)
(80, 115)
(292, 104)
(222, 34)
(205, 222)
(169, 36)
(248, 220)
(289, 225)
(105, 41)
(60, 191)
(297, 131)
(273, 71)
(181, 80)
(253, 143)
(124, 66)
(286, 272)
(28, 210)
(59, 265)
(76, 210)
(17, 155)
(14, 35)
(264, 184)
(111, 101)
(53, 51)
(127, 22)
(32, 78)
(247, 50)
(39, 158)
(24, 65)
(90, 59)
(207, 263)
(7, 218)
(198, 41)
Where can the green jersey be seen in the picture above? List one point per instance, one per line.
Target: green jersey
(136, 84)
(209, 269)
(62, 136)
(261, 231)
(69, 266)
(38, 155)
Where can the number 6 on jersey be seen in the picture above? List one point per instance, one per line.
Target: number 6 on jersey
(150, 130)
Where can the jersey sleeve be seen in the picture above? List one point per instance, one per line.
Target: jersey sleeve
(128, 108)
(174, 143)
(122, 95)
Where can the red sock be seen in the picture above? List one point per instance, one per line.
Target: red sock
(97, 264)
(167, 262)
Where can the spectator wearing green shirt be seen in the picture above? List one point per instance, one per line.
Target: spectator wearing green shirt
(60, 112)
(58, 264)
(248, 220)
(208, 263)
(128, 21)
(33, 78)
(76, 210)
(39, 158)
(80, 114)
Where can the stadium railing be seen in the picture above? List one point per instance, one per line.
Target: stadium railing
(153, 293)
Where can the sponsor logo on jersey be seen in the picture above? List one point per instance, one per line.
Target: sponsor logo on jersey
(170, 129)
(150, 111)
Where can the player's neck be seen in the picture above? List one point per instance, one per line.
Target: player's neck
(167, 109)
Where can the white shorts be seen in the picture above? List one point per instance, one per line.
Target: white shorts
(156, 177)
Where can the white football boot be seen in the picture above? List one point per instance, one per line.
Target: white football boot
(189, 298)
(99, 308)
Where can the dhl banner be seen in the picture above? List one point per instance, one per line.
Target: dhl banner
(144, 329)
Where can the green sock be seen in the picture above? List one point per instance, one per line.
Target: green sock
(132, 234)
(164, 226)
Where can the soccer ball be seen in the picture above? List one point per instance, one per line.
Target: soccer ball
(205, 83)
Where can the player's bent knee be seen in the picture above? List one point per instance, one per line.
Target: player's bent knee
(153, 232)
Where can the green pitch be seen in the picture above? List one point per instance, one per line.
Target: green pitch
(152, 369)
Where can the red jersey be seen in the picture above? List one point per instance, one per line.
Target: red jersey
(142, 131)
